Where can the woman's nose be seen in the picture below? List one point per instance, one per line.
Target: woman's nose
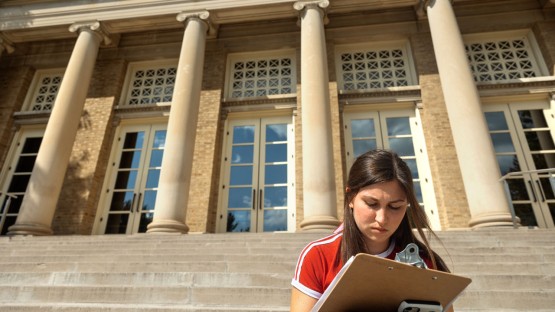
(381, 215)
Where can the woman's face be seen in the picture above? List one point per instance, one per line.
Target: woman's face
(378, 210)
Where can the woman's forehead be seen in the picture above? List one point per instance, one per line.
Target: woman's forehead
(390, 189)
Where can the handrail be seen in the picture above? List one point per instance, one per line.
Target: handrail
(517, 173)
(504, 178)
(6, 208)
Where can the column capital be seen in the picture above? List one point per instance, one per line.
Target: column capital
(310, 4)
(421, 7)
(321, 5)
(6, 45)
(203, 16)
(94, 27)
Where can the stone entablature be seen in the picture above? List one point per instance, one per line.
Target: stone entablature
(32, 20)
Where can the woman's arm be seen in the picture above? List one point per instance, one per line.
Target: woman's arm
(301, 302)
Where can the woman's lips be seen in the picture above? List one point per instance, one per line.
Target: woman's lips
(379, 229)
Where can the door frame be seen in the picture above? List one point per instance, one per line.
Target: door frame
(103, 205)
(11, 160)
(382, 111)
(510, 109)
(221, 217)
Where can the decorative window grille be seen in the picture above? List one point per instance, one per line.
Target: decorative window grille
(375, 69)
(261, 77)
(502, 60)
(47, 87)
(151, 85)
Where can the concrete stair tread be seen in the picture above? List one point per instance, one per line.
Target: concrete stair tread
(523, 300)
(199, 295)
(93, 307)
(164, 279)
(161, 266)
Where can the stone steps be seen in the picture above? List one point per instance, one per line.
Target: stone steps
(104, 307)
(197, 295)
(512, 270)
(207, 279)
(181, 279)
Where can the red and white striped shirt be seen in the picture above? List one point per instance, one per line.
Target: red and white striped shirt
(316, 267)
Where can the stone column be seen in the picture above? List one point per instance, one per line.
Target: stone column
(480, 171)
(175, 176)
(47, 177)
(319, 193)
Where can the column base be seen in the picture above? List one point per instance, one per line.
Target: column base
(319, 224)
(29, 229)
(493, 219)
(167, 227)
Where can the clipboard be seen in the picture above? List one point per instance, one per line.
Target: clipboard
(370, 283)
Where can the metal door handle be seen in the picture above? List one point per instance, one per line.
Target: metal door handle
(261, 201)
(533, 192)
(253, 199)
(139, 202)
(541, 190)
(133, 203)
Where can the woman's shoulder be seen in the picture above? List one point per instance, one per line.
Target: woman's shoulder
(329, 240)
(326, 245)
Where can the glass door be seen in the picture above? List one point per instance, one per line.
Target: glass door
(395, 130)
(522, 135)
(133, 182)
(17, 175)
(258, 188)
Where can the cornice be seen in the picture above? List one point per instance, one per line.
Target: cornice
(260, 101)
(50, 19)
(381, 96)
(31, 117)
(145, 111)
(541, 85)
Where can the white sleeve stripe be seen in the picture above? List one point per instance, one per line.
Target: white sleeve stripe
(305, 290)
(325, 240)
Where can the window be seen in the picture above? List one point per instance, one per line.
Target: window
(261, 75)
(374, 67)
(367, 128)
(16, 174)
(504, 58)
(44, 89)
(149, 83)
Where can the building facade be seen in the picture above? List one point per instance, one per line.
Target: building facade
(122, 117)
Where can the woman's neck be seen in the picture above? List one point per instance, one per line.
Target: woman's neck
(375, 248)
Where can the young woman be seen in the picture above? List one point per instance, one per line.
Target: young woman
(380, 212)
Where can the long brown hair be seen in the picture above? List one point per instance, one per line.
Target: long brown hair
(379, 166)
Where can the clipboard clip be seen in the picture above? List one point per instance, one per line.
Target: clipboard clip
(411, 255)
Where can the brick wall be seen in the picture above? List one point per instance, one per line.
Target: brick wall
(446, 174)
(203, 193)
(543, 32)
